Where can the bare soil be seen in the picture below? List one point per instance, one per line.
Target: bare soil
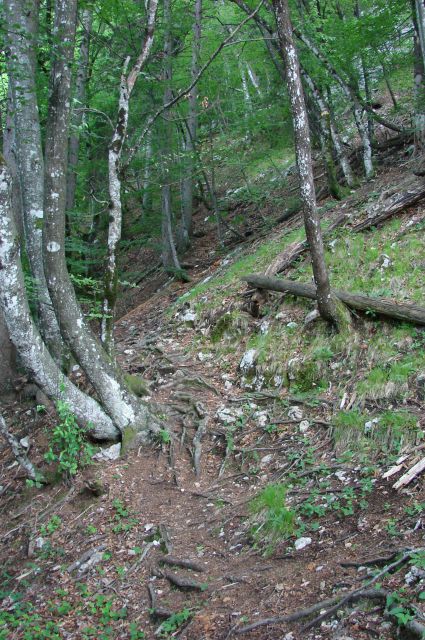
(205, 519)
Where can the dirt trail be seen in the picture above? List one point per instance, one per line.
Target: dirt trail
(152, 504)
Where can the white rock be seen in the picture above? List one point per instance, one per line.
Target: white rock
(39, 542)
(110, 453)
(292, 325)
(188, 316)
(266, 460)
(310, 317)
(248, 360)
(25, 442)
(264, 327)
(228, 385)
(295, 413)
(261, 418)
(304, 426)
(228, 415)
(301, 543)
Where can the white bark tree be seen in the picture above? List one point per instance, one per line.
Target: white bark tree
(79, 103)
(34, 355)
(22, 22)
(125, 410)
(170, 260)
(192, 126)
(325, 300)
(115, 151)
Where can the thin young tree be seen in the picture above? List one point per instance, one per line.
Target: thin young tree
(325, 300)
(192, 127)
(114, 156)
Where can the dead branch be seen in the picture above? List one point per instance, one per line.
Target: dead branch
(197, 445)
(305, 613)
(393, 205)
(19, 452)
(411, 313)
(410, 475)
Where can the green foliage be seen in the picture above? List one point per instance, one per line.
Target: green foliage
(273, 521)
(173, 623)
(122, 517)
(69, 448)
(52, 525)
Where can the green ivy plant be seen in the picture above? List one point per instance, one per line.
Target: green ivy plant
(69, 447)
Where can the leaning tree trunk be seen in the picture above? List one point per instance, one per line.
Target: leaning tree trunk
(124, 409)
(21, 19)
(326, 304)
(114, 156)
(33, 353)
(80, 99)
(192, 126)
(170, 259)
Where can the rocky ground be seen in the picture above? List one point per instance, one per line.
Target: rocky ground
(143, 546)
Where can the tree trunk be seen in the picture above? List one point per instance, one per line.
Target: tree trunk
(33, 353)
(409, 312)
(329, 131)
(80, 99)
(21, 72)
(114, 156)
(325, 301)
(170, 259)
(419, 74)
(146, 186)
(192, 125)
(125, 409)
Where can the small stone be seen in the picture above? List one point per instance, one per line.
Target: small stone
(304, 426)
(39, 542)
(311, 317)
(292, 325)
(188, 317)
(295, 413)
(248, 360)
(25, 442)
(110, 453)
(301, 543)
(266, 460)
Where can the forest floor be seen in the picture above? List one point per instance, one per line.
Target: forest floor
(327, 525)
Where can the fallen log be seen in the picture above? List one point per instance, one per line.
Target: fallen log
(381, 306)
(394, 204)
(296, 249)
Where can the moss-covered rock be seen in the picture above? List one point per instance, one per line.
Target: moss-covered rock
(136, 385)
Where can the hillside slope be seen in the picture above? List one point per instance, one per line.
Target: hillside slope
(299, 427)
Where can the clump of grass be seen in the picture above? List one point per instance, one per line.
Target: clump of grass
(387, 433)
(272, 521)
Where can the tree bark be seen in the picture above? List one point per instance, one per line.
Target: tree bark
(325, 301)
(80, 100)
(419, 73)
(407, 312)
(170, 259)
(114, 156)
(192, 125)
(21, 71)
(33, 353)
(331, 137)
(125, 409)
